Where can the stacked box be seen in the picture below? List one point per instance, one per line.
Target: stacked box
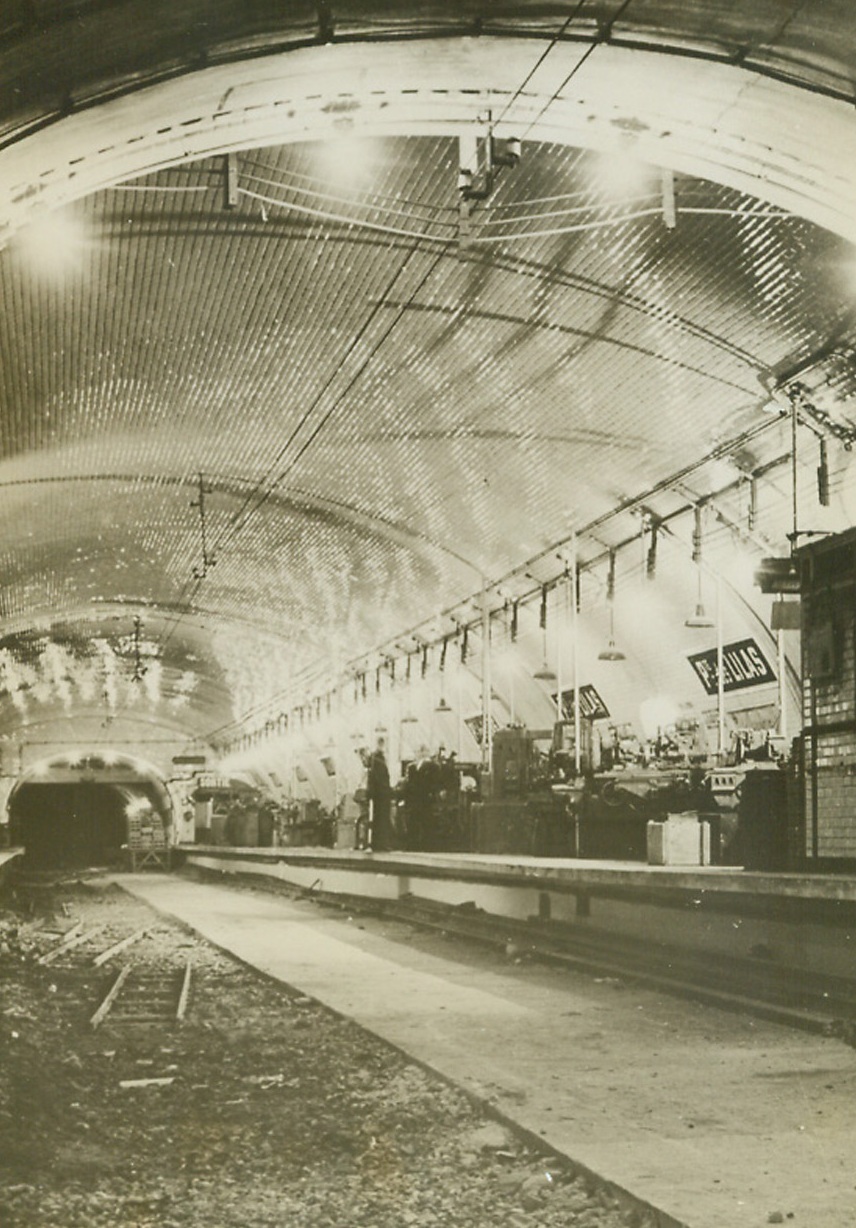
(682, 840)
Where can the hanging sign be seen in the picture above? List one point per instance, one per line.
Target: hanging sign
(592, 706)
(475, 724)
(743, 665)
(210, 780)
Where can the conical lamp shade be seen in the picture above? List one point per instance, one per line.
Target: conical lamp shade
(700, 618)
(611, 653)
(544, 674)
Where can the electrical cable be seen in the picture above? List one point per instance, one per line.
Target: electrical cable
(374, 200)
(580, 62)
(248, 509)
(575, 12)
(362, 223)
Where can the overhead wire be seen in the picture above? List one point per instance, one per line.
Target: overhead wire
(267, 484)
(481, 239)
(268, 480)
(572, 16)
(622, 7)
(372, 199)
(326, 215)
(237, 522)
(378, 305)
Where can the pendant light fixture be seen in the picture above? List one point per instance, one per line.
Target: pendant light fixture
(442, 706)
(611, 652)
(700, 618)
(545, 673)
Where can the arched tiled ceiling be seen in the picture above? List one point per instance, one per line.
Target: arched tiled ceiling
(693, 108)
(381, 418)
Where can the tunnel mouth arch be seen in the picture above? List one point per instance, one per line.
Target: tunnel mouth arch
(75, 811)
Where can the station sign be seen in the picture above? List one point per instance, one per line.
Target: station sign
(210, 780)
(592, 706)
(475, 724)
(743, 665)
(778, 576)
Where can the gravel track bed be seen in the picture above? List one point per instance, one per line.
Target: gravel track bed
(278, 1113)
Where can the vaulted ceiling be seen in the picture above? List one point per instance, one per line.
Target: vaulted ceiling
(275, 409)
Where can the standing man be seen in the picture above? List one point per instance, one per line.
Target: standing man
(380, 798)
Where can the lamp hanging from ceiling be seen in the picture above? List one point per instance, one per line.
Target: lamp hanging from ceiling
(699, 618)
(611, 652)
(442, 706)
(139, 668)
(545, 673)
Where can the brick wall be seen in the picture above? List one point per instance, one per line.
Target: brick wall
(829, 696)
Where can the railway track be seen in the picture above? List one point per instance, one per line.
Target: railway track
(145, 997)
(137, 993)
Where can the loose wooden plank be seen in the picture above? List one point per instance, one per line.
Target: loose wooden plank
(111, 995)
(185, 993)
(119, 946)
(164, 1082)
(69, 944)
(63, 935)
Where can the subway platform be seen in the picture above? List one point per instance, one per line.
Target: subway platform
(715, 1118)
(802, 923)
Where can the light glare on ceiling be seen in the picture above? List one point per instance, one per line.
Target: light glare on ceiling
(621, 176)
(347, 161)
(657, 713)
(53, 245)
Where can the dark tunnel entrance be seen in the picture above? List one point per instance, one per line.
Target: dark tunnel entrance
(68, 825)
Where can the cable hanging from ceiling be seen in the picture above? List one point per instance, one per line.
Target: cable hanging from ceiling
(372, 200)
(264, 488)
(651, 526)
(492, 231)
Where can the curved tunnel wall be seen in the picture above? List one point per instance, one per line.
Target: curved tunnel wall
(756, 147)
(698, 117)
(65, 817)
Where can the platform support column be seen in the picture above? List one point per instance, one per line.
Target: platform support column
(487, 723)
(575, 631)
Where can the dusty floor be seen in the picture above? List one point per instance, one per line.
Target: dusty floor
(279, 1112)
(718, 1118)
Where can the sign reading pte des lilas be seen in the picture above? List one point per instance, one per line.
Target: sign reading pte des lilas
(743, 665)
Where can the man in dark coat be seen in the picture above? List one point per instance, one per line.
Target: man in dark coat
(380, 798)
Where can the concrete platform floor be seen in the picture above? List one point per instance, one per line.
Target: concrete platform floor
(720, 1120)
(547, 872)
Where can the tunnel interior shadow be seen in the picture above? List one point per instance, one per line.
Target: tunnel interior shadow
(68, 825)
